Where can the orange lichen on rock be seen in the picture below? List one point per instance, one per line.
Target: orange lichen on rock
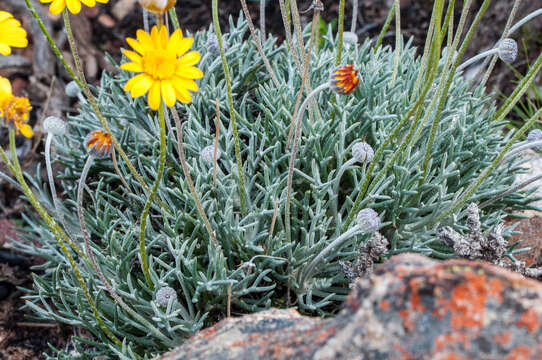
(521, 352)
(384, 305)
(529, 320)
(415, 302)
(324, 336)
(445, 341)
(468, 300)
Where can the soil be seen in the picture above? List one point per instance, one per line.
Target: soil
(35, 73)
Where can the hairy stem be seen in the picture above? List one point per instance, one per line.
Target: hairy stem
(341, 31)
(397, 42)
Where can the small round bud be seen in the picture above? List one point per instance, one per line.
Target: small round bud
(344, 79)
(508, 50)
(157, 6)
(208, 154)
(350, 38)
(55, 126)
(99, 144)
(164, 295)
(535, 135)
(368, 220)
(72, 89)
(362, 152)
(213, 47)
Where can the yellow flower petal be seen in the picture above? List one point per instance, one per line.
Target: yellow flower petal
(5, 88)
(57, 6)
(135, 57)
(26, 130)
(192, 58)
(141, 86)
(134, 67)
(185, 83)
(154, 98)
(4, 49)
(74, 6)
(189, 72)
(168, 93)
(136, 45)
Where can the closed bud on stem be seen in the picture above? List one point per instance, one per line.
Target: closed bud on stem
(535, 135)
(208, 154)
(72, 89)
(344, 80)
(164, 295)
(99, 144)
(508, 50)
(55, 126)
(362, 152)
(157, 6)
(368, 220)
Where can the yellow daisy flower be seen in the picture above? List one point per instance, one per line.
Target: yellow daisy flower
(157, 6)
(11, 33)
(167, 71)
(74, 6)
(14, 109)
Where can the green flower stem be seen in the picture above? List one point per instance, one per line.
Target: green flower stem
(15, 168)
(341, 31)
(117, 170)
(95, 107)
(297, 28)
(154, 189)
(397, 42)
(385, 27)
(297, 135)
(174, 19)
(52, 44)
(186, 170)
(443, 91)
(259, 43)
(101, 276)
(55, 227)
(242, 195)
(472, 189)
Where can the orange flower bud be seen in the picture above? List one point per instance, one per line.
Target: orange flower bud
(344, 79)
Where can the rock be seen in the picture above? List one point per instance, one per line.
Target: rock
(411, 307)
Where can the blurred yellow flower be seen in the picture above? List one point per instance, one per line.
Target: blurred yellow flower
(157, 6)
(14, 109)
(11, 33)
(74, 6)
(167, 71)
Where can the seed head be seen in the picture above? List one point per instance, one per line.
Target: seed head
(368, 220)
(164, 295)
(362, 152)
(344, 79)
(72, 89)
(55, 125)
(508, 50)
(208, 154)
(99, 144)
(535, 135)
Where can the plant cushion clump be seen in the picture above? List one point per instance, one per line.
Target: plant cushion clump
(255, 266)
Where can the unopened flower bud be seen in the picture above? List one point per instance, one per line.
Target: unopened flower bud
(72, 89)
(368, 220)
(508, 50)
(350, 38)
(208, 154)
(344, 79)
(99, 144)
(157, 6)
(362, 152)
(535, 135)
(164, 295)
(55, 125)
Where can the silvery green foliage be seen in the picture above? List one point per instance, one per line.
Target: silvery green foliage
(259, 267)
